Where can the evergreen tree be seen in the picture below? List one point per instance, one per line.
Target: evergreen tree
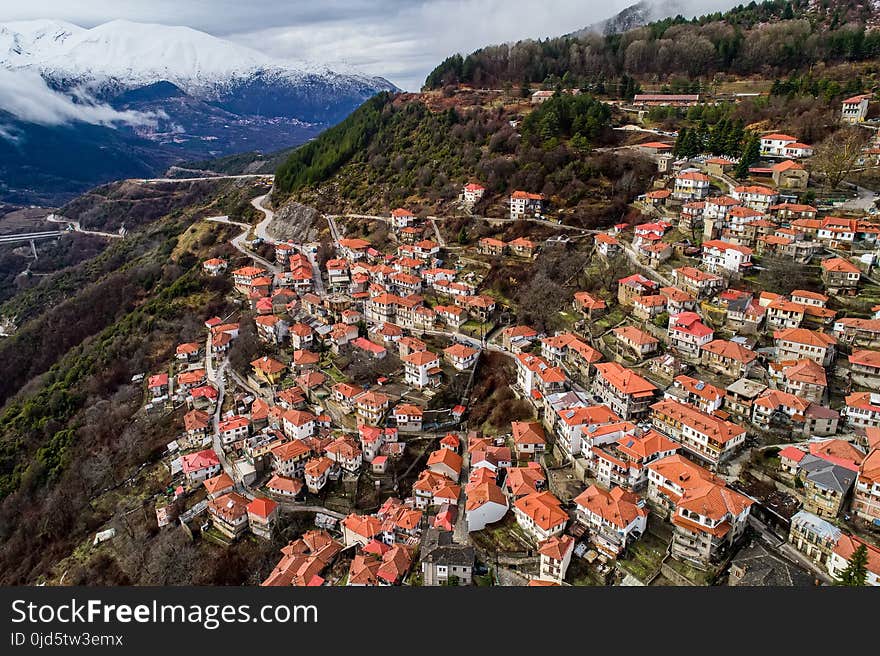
(751, 153)
(856, 572)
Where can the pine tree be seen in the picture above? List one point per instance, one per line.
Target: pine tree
(680, 140)
(751, 153)
(856, 572)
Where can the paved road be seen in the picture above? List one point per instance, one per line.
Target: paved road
(55, 218)
(861, 203)
(250, 176)
(30, 236)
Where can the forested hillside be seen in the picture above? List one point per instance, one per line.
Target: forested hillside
(419, 150)
(771, 38)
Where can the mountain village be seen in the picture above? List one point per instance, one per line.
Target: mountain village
(683, 413)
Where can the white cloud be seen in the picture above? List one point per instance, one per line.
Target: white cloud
(26, 96)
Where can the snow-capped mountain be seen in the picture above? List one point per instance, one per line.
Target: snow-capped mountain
(164, 92)
(646, 11)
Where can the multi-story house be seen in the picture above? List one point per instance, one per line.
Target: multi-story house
(540, 515)
(698, 393)
(705, 436)
(422, 369)
(756, 197)
(555, 556)
(840, 276)
(371, 407)
(624, 461)
(624, 391)
(728, 358)
(688, 334)
(866, 494)
(862, 409)
(697, 282)
(813, 536)
(229, 514)
(853, 110)
(798, 343)
(614, 518)
(691, 185)
(523, 203)
(721, 256)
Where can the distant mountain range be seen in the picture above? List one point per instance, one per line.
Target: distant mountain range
(82, 106)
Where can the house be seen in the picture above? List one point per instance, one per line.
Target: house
(451, 315)
(491, 246)
(522, 247)
(196, 422)
(865, 368)
(691, 185)
(289, 458)
(803, 378)
(624, 391)
(360, 529)
(345, 394)
(262, 515)
(648, 307)
(757, 197)
(271, 328)
(408, 417)
(268, 370)
(589, 305)
(461, 356)
(540, 515)
(214, 266)
(485, 503)
(624, 462)
(541, 96)
(443, 561)
(862, 409)
(200, 465)
(678, 300)
(814, 537)
(721, 256)
(233, 428)
(304, 559)
(866, 493)
(282, 486)
(688, 334)
(789, 174)
(634, 286)
(784, 145)
(840, 276)
(528, 438)
(826, 484)
(798, 343)
(422, 369)
(401, 218)
(577, 423)
(698, 393)
(758, 565)
(697, 282)
(345, 452)
(614, 518)
(854, 110)
(555, 556)
(637, 341)
(521, 481)
(371, 407)
(445, 463)
(536, 377)
(187, 380)
(842, 553)
(606, 245)
(229, 514)
(858, 332)
(707, 437)
(728, 358)
(708, 517)
(316, 473)
(298, 424)
(523, 203)
(472, 193)
(794, 415)
(158, 385)
(516, 338)
(218, 485)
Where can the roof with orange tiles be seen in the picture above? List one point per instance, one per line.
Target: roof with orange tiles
(847, 545)
(700, 388)
(866, 358)
(556, 547)
(839, 265)
(806, 371)
(543, 508)
(421, 358)
(526, 195)
(460, 351)
(229, 507)
(373, 399)
(730, 350)
(284, 484)
(446, 457)
(217, 483)
(696, 274)
(528, 432)
(617, 506)
(292, 450)
(804, 336)
(483, 492)
(625, 380)
(635, 335)
(715, 428)
(261, 507)
(195, 420)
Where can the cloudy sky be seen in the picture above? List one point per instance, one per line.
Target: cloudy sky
(401, 40)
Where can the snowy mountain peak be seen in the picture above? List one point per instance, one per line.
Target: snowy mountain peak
(130, 54)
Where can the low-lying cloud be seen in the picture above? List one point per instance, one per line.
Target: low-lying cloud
(26, 96)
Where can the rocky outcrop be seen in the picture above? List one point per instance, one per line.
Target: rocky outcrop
(294, 221)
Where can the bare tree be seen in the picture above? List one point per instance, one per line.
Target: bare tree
(836, 156)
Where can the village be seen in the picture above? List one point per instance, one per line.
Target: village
(689, 426)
